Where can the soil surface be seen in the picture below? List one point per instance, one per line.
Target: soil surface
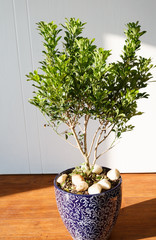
(90, 178)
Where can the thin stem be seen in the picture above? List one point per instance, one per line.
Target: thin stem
(77, 140)
(99, 142)
(79, 125)
(93, 141)
(72, 127)
(106, 135)
(58, 133)
(85, 134)
(111, 146)
(96, 146)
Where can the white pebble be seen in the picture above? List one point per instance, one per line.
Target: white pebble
(105, 184)
(82, 186)
(97, 169)
(62, 178)
(76, 179)
(113, 174)
(95, 189)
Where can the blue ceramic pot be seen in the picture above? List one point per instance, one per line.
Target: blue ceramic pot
(89, 217)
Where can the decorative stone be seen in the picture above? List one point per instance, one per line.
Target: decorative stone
(105, 184)
(97, 169)
(95, 189)
(62, 178)
(113, 174)
(82, 186)
(76, 179)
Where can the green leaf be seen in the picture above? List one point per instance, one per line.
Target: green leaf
(75, 79)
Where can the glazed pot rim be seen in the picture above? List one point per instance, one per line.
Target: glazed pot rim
(85, 195)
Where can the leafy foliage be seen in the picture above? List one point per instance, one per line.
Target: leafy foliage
(77, 82)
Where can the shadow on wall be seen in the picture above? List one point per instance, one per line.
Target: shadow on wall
(119, 13)
(116, 43)
(137, 221)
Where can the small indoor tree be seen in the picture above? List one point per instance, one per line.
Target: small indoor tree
(76, 85)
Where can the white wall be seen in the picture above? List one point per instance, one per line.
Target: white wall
(25, 145)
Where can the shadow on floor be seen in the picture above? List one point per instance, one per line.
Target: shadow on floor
(12, 184)
(135, 222)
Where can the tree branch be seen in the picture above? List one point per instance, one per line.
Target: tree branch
(79, 125)
(99, 142)
(111, 146)
(49, 123)
(85, 134)
(96, 146)
(72, 127)
(106, 135)
(94, 140)
(77, 140)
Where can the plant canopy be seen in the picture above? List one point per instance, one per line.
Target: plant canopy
(77, 83)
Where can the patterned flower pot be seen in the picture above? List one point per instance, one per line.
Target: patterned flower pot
(89, 217)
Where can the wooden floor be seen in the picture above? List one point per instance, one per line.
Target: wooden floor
(28, 210)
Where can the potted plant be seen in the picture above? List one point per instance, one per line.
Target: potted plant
(76, 86)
